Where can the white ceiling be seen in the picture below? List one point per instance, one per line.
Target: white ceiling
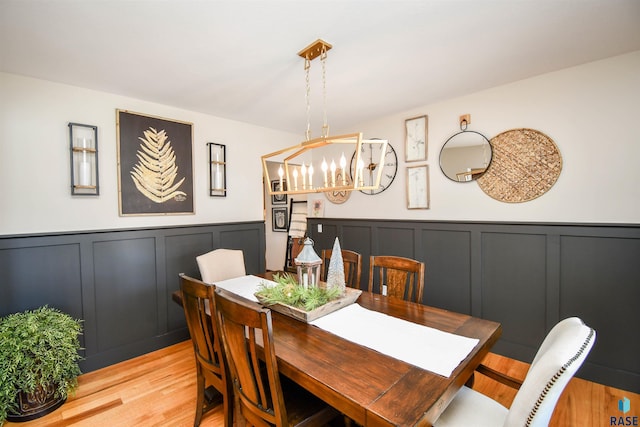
(237, 59)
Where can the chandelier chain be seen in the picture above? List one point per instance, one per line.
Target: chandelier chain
(307, 66)
(325, 125)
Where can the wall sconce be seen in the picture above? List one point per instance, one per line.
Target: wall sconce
(217, 170)
(83, 141)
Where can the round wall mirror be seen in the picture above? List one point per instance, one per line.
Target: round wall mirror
(465, 156)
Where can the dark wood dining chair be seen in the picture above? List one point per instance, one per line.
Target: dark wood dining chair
(264, 398)
(397, 277)
(212, 382)
(352, 266)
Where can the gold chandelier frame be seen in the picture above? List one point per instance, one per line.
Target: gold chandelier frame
(287, 156)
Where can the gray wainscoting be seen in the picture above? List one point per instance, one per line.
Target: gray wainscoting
(118, 282)
(525, 276)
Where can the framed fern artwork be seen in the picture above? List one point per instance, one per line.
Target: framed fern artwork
(155, 165)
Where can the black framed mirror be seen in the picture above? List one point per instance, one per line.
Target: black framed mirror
(465, 156)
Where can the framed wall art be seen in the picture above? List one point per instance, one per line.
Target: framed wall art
(155, 165)
(279, 219)
(279, 199)
(317, 208)
(415, 129)
(418, 187)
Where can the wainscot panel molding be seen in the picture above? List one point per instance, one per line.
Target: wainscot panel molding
(119, 282)
(527, 276)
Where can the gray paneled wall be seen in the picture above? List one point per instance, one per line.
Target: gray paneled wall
(118, 282)
(525, 276)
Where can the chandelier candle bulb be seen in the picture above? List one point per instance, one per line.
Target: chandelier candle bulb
(303, 169)
(295, 179)
(355, 178)
(281, 174)
(310, 169)
(343, 165)
(333, 173)
(324, 171)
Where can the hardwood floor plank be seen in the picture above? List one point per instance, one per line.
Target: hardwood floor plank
(158, 389)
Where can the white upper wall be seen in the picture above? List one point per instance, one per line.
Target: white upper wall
(34, 160)
(589, 111)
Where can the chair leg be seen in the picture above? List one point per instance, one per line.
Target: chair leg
(471, 380)
(199, 397)
(238, 418)
(228, 410)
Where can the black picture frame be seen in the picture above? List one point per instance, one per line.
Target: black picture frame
(279, 199)
(140, 136)
(279, 219)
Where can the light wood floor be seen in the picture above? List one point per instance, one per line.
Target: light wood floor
(158, 389)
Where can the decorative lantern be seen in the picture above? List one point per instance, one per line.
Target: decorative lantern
(308, 264)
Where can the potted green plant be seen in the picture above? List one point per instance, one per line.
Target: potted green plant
(38, 362)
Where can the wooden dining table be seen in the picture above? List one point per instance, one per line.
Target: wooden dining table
(371, 388)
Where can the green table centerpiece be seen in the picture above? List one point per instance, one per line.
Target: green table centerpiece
(288, 291)
(307, 304)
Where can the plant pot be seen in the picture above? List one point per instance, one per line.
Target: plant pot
(37, 404)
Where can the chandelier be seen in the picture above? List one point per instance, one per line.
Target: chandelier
(297, 174)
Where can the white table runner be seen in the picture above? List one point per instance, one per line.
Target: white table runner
(245, 286)
(427, 348)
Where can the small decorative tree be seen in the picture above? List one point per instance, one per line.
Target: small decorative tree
(335, 274)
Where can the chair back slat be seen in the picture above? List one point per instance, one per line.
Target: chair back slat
(403, 277)
(247, 334)
(196, 302)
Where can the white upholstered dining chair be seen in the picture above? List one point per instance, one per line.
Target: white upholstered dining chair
(221, 264)
(561, 354)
